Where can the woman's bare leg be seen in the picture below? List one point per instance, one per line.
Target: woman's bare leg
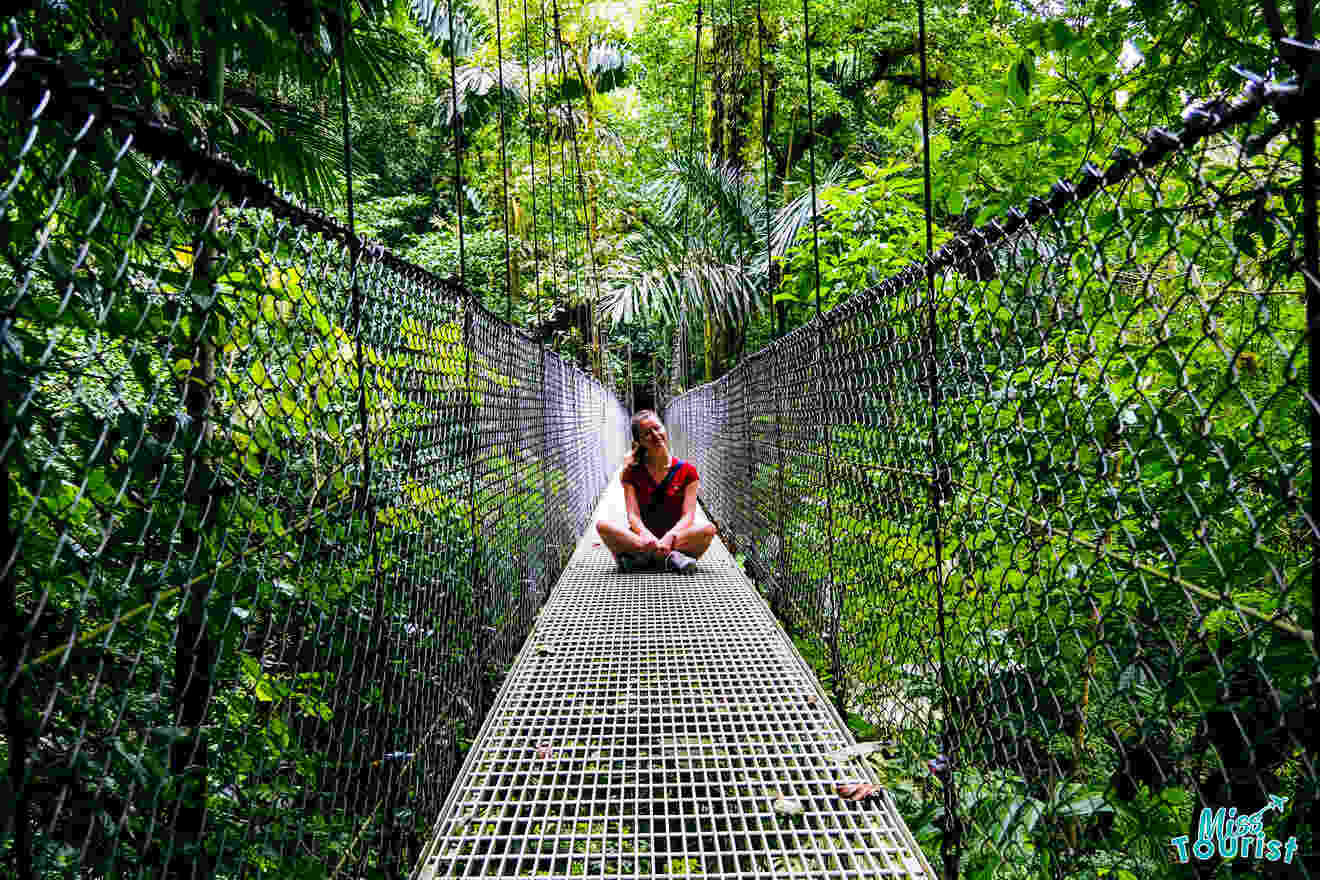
(695, 540)
(619, 539)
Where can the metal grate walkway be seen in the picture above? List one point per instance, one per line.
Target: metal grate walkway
(646, 729)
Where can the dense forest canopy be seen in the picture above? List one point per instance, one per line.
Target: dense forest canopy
(621, 204)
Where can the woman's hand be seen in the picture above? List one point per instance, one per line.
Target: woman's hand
(666, 544)
(650, 544)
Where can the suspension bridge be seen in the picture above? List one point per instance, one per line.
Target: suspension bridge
(657, 724)
(301, 579)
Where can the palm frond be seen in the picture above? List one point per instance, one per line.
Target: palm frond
(292, 146)
(443, 20)
(374, 57)
(478, 91)
(565, 119)
(796, 215)
(611, 64)
(549, 65)
(724, 203)
(663, 271)
(608, 135)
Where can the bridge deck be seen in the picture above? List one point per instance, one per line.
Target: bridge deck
(646, 729)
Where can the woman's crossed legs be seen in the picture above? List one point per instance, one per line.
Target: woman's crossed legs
(692, 541)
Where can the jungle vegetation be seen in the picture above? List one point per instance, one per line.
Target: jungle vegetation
(572, 166)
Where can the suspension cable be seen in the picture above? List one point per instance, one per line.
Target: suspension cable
(549, 150)
(582, 189)
(364, 504)
(826, 434)
(569, 231)
(531, 158)
(811, 154)
(765, 161)
(680, 332)
(504, 167)
(458, 138)
(734, 73)
(580, 246)
(949, 734)
(355, 255)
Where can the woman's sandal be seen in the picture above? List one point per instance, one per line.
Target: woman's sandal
(680, 562)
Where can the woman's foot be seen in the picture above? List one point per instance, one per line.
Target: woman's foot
(681, 563)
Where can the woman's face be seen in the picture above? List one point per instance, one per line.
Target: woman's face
(652, 433)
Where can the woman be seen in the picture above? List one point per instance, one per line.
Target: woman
(661, 494)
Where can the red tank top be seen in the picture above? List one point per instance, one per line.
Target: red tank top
(670, 508)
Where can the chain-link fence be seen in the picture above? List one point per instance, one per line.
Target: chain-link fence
(274, 530)
(1040, 509)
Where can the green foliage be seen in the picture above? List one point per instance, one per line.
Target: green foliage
(1111, 440)
(869, 231)
(130, 494)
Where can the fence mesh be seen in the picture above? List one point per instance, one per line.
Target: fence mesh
(1040, 510)
(272, 536)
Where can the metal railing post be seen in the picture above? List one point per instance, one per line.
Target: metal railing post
(1311, 276)
(951, 841)
(836, 595)
(781, 509)
(16, 726)
(194, 652)
(746, 495)
(473, 428)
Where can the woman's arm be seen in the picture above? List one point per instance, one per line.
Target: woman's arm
(686, 518)
(635, 514)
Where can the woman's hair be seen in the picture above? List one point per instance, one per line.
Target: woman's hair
(637, 458)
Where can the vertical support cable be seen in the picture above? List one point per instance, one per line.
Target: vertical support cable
(504, 168)
(16, 727)
(836, 599)
(778, 573)
(471, 424)
(536, 311)
(586, 210)
(811, 155)
(951, 840)
(765, 167)
(472, 444)
(549, 150)
(194, 651)
(545, 466)
(1311, 275)
(744, 376)
(364, 501)
(680, 340)
(781, 511)
(675, 374)
(563, 166)
(531, 158)
(458, 139)
(577, 279)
